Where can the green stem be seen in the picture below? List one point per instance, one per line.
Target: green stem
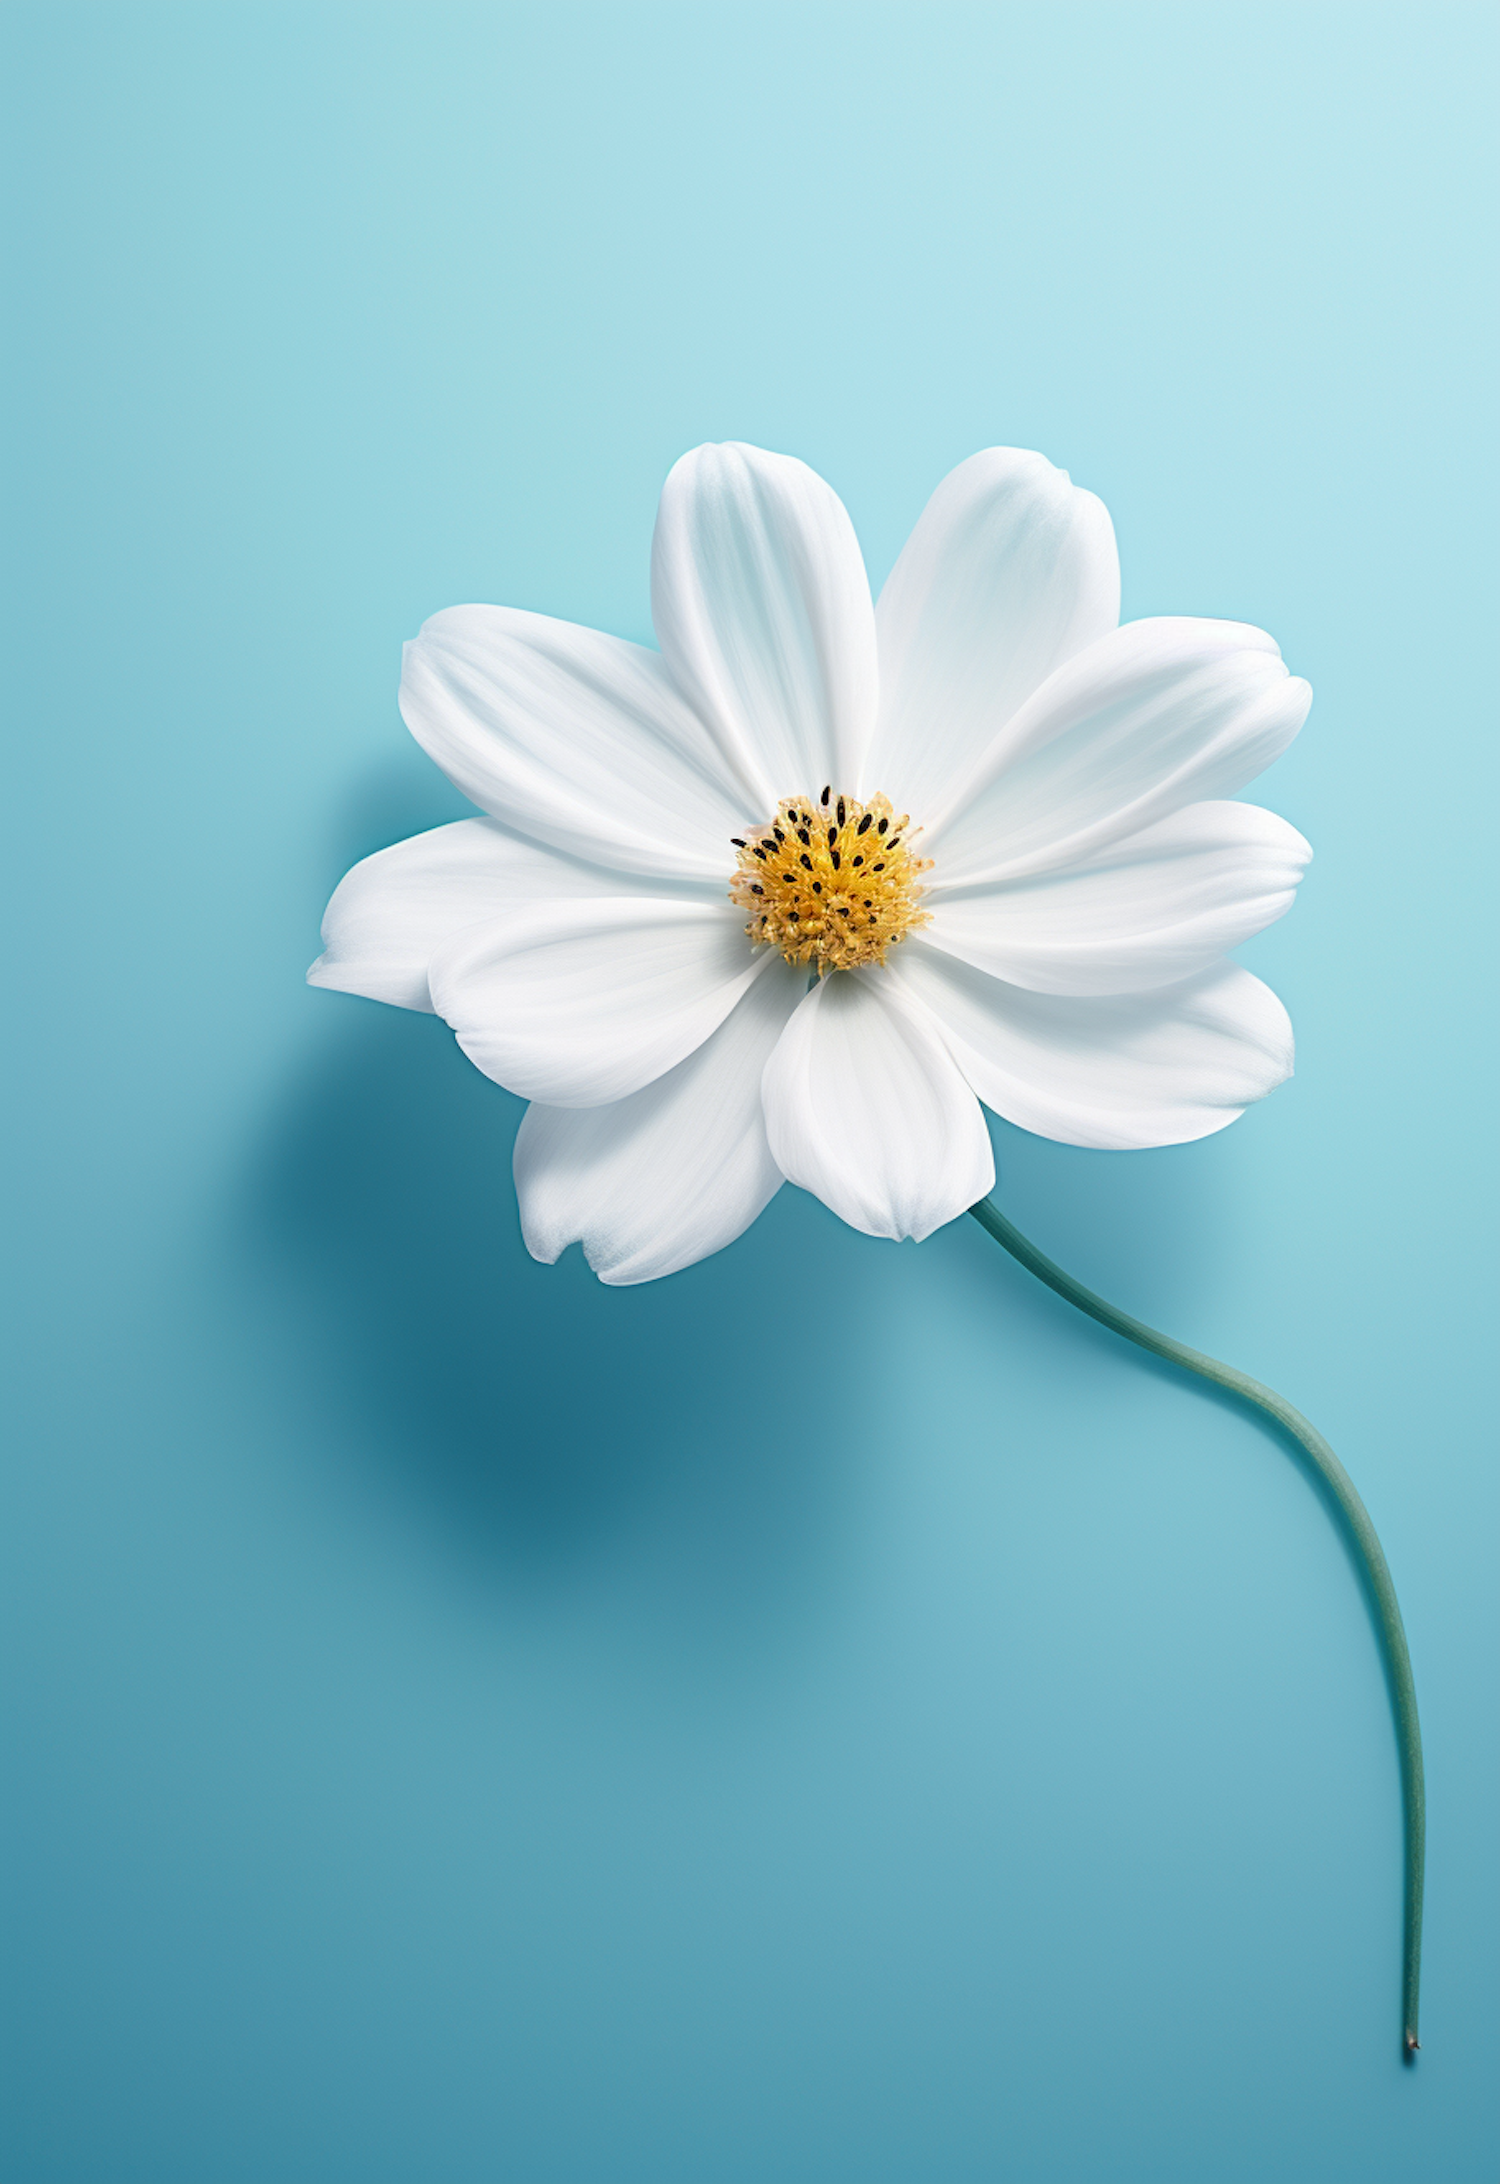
(1361, 1533)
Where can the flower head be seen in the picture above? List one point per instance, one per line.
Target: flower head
(790, 897)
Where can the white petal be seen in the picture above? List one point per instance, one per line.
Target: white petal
(654, 1182)
(575, 738)
(1153, 909)
(763, 612)
(1156, 715)
(577, 1003)
(392, 910)
(1011, 570)
(865, 1108)
(1125, 1070)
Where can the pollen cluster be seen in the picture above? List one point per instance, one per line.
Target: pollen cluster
(832, 884)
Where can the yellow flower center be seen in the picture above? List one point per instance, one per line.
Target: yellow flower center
(832, 884)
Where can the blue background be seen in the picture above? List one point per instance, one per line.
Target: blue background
(472, 1724)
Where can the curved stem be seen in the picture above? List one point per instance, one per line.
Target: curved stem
(1361, 1533)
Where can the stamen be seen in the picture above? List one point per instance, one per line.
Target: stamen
(821, 928)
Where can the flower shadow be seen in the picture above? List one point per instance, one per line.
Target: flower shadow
(537, 1426)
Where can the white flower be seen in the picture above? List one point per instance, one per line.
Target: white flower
(1048, 936)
